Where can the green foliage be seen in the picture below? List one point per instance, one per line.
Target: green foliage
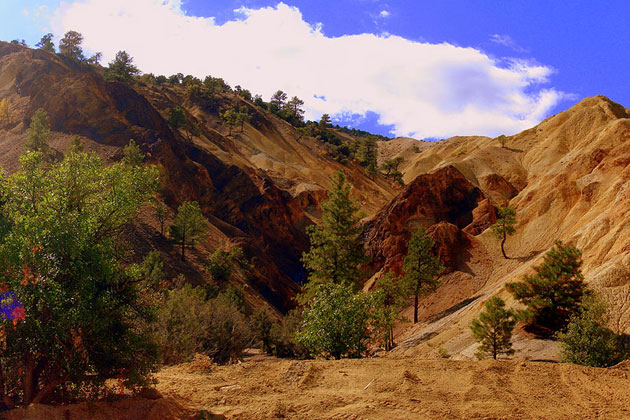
(261, 324)
(277, 102)
(502, 140)
(391, 295)
(182, 323)
(75, 144)
(46, 43)
(188, 323)
(70, 46)
(230, 118)
(392, 165)
(176, 118)
(555, 292)
(121, 69)
(493, 329)
(132, 155)
(38, 132)
(283, 337)
(161, 214)
(367, 155)
(234, 296)
(421, 267)
(587, 341)
(337, 322)
(221, 262)
(336, 245)
(504, 226)
(152, 270)
(243, 116)
(59, 254)
(188, 225)
(325, 121)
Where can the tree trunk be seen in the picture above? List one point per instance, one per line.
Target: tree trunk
(183, 246)
(28, 385)
(415, 307)
(503, 246)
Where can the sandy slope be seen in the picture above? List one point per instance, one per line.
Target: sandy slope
(391, 388)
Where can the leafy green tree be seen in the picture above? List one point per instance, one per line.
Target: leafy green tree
(230, 118)
(161, 214)
(337, 323)
(121, 69)
(46, 43)
(70, 46)
(421, 267)
(94, 59)
(587, 341)
(262, 323)
(81, 311)
(336, 245)
(176, 118)
(391, 297)
(153, 269)
(493, 329)
(243, 117)
(555, 292)
(392, 165)
(20, 42)
(293, 112)
(221, 262)
(504, 226)
(277, 101)
(38, 132)
(502, 140)
(132, 154)
(188, 225)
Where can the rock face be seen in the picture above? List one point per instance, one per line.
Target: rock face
(450, 241)
(484, 216)
(443, 195)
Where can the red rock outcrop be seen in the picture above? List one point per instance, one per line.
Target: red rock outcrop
(484, 216)
(444, 195)
(450, 241)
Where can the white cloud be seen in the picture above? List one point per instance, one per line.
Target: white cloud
(424, 90)
(384, 14)
(507, 41)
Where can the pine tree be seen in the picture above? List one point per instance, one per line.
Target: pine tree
(161, 214)
(555, 292)
(70, 46)
(38, 132)
(369, 149)
(230, 118)
(121, 69)
(421, 267)
(243, 116)
(493, 329)
(504, 226)
(188, 225)
(336, 245)
(46, 43)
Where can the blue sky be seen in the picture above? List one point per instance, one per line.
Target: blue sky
(482, 67)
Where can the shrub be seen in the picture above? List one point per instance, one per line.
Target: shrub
(228, 333)
(182, 323)
(586, 340)
(283, 336)
(337, 322)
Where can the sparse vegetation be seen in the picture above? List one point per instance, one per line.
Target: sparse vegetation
(554, 293)
(38, 132)
(493, 329)
(504, 226)
(188, 226)
(121, 69)
(586, 340)
(421, 267)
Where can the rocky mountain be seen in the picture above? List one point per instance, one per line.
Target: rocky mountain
(260, 187)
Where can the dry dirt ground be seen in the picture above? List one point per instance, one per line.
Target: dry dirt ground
(401, 388)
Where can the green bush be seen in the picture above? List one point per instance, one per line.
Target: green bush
(229, 333)
(337, 323)
(283, 337)
(587, 341)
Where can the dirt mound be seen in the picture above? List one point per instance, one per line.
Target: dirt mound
(386, 388)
